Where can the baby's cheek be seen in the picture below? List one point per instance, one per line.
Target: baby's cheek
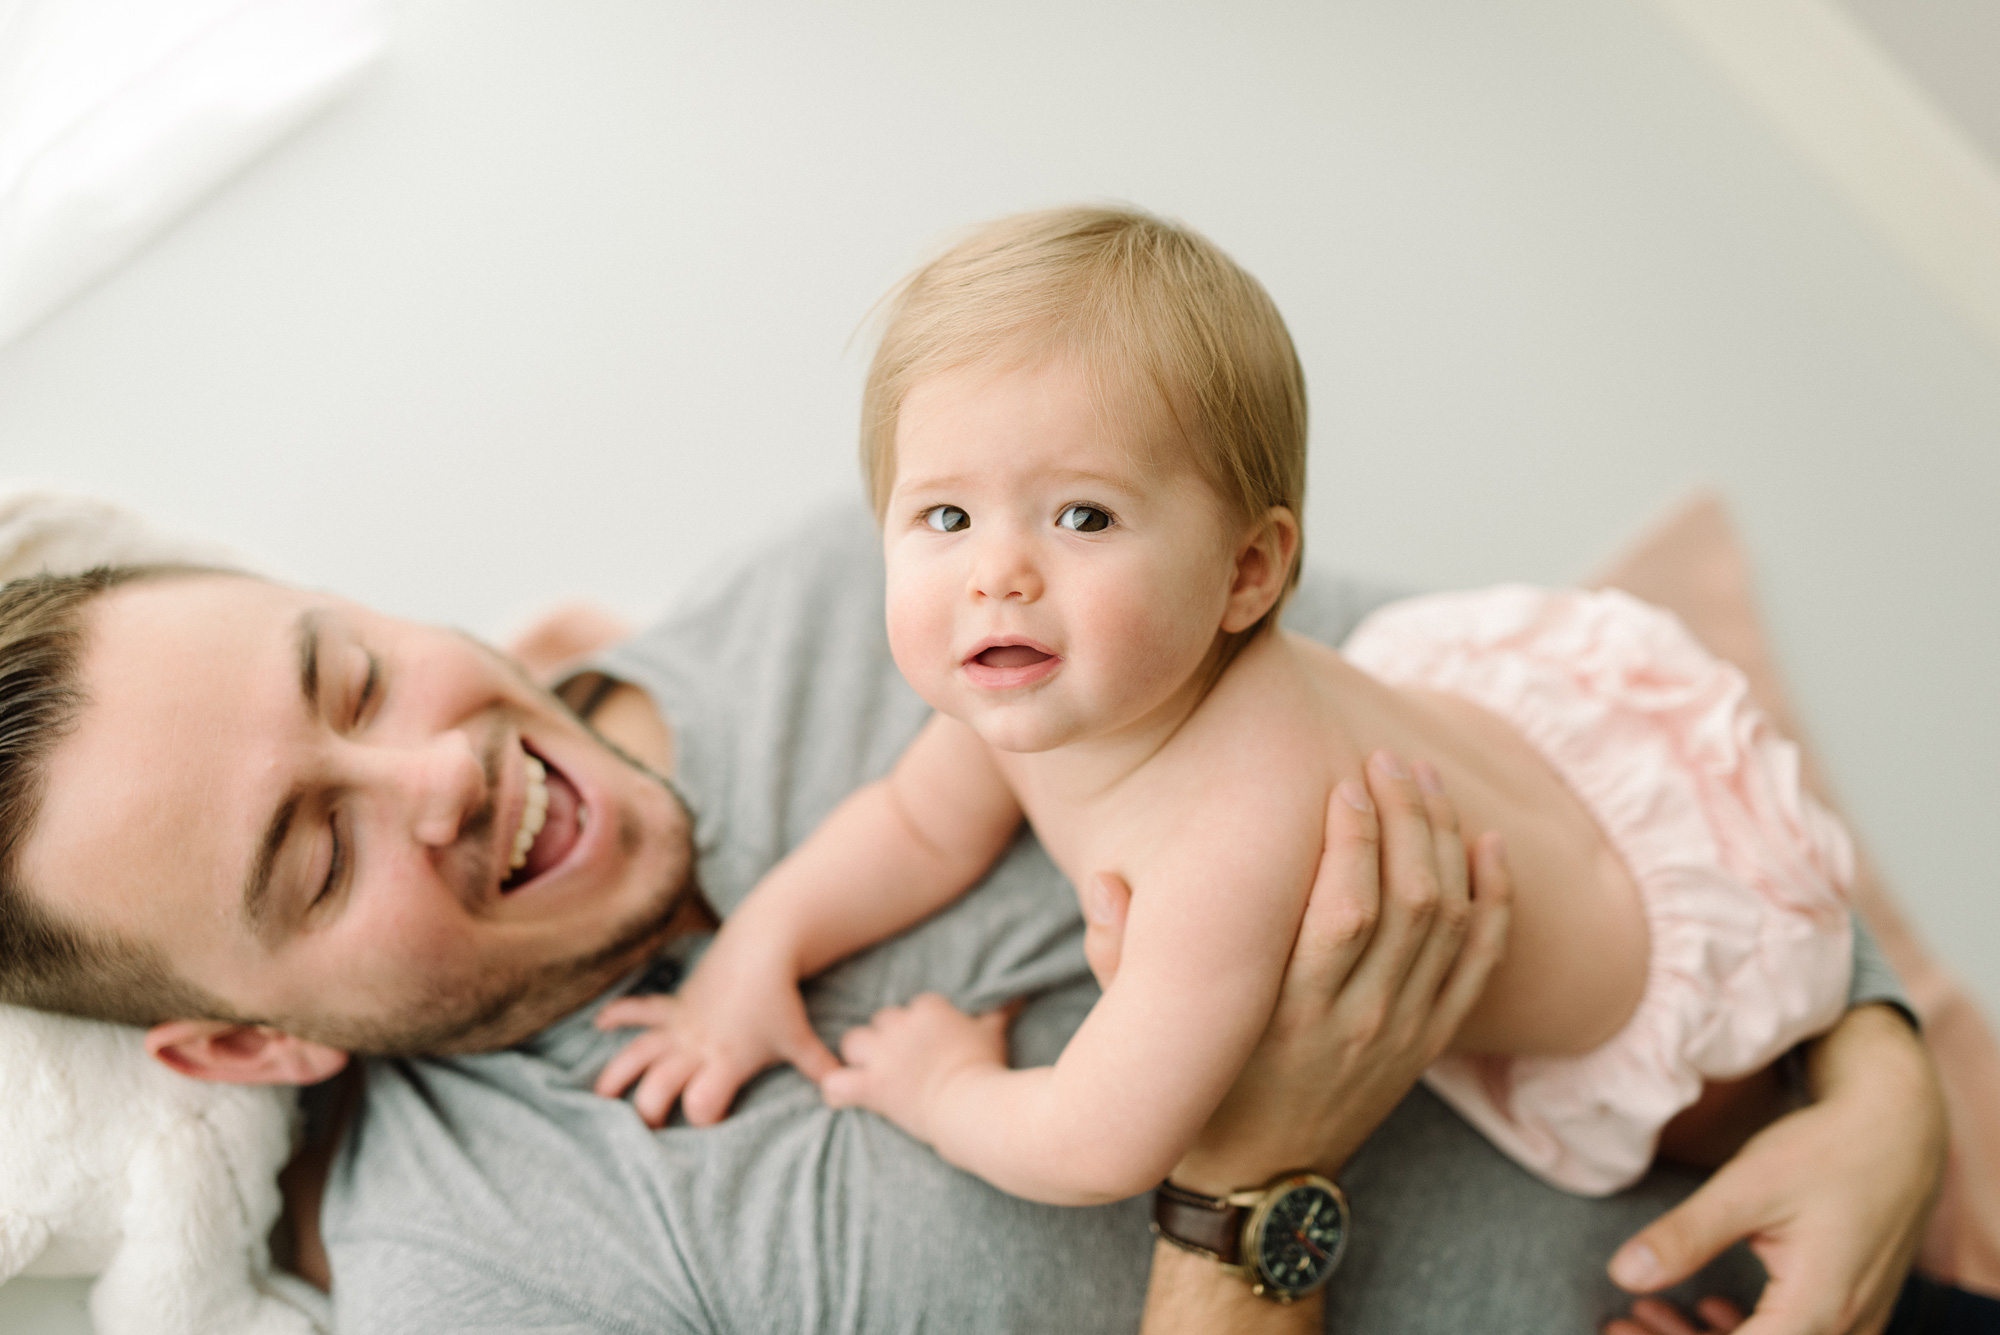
(919, 637)
(1157, 645)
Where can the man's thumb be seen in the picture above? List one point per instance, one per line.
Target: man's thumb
(1105, 898)
(1682, 1240)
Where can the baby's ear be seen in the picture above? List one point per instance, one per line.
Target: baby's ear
(1263, 560)
(241, 1054)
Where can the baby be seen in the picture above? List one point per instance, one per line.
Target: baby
(1086, 436)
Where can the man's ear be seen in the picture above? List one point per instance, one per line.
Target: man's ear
(1262, 561)
(241, 1054)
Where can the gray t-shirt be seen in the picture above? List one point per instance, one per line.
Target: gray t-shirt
(496, 1193)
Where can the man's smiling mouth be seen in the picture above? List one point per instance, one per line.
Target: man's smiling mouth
(552, 819)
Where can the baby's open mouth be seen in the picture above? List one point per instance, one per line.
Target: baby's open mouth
(1010, 656)
(1010, 666)
(551, 820)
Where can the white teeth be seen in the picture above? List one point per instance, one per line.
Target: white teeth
(534, 814)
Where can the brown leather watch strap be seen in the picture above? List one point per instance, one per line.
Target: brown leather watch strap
(1209, 1225)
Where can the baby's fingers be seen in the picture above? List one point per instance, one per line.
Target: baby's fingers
(844, 1087)
(631, 1061)
(858, 1044)
(645, 1012)
(708, 1095)
(852, 1085)
(812, 1057)
(661, 1085)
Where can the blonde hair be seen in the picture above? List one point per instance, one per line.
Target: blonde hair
(1117, 289)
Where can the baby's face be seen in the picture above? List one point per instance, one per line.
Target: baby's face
(1057, 571)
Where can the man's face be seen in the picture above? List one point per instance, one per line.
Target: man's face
(309, 809)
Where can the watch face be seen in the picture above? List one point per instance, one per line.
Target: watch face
(1299, 1237)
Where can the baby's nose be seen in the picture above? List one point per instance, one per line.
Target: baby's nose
(1007, 573)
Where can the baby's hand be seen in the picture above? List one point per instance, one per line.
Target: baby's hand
(730, 1021)
(899, 1061)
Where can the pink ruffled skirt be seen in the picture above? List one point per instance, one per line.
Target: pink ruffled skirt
(1743, 875)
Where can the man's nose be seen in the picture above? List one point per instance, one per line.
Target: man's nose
(443, 784)
(1005, 569)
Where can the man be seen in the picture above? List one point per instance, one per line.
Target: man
(294, 819)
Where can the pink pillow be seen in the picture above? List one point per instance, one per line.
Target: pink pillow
(1691, 563)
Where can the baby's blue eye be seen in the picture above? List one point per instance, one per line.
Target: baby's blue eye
(947, 518)
(1084, 519)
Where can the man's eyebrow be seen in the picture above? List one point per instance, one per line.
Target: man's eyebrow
(308, 644)
(257, 888)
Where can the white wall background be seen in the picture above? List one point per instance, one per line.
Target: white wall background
(561, 303)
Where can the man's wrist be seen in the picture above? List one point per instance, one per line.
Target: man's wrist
(1283, 1239)
(1192, 1293)
(1872, 1059)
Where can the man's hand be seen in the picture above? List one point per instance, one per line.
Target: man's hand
(1833, 1197)
(1394, 949)
(1396, 944)
(739, 1013)
(1650, 1316)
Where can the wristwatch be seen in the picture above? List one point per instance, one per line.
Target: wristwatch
(1285, 1237)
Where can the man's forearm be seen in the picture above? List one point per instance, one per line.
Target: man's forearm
(1194, 1294)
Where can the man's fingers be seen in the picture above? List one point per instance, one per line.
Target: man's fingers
(1409, 873)
(1662, 1318)
(1485, 939)
(1720, 1314)
(1346, 899)
(1453, 915)
(1687, 1237)
(1443, 817)
(1105, 898)
(1650, 1316)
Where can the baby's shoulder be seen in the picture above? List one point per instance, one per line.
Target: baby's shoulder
(1260, 738)
(1236, 802)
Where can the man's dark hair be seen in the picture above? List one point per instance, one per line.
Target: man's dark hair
(45, 962)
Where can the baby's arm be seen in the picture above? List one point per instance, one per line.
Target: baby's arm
(1205, 945)
(894, 852)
